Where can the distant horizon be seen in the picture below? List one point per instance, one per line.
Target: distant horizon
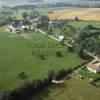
(18, 2)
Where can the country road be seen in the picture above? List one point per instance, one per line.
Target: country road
(94, 56)
(46, 34)
(69, 45)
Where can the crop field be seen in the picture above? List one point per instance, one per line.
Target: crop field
(74, 89)
(92, 14)
(18, 54)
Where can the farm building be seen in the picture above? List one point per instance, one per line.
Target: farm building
(61, 37)
(11, 28)
(25, 27)
(94, 67)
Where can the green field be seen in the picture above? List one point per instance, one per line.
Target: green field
(19, 14)
(74, 89)
(82, 24)
(16, 57)
(42, 11)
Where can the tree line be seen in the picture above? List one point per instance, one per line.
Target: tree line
(30, 89)
(89, 40)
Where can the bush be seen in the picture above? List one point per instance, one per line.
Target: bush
(71, 49)
(42, 56)
(59, 54)
(60, 74)
(22, 75)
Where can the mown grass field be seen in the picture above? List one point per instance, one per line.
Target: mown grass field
(74, 89)
(42, 11)
(92, 14)
(19, 14)
(16, 57)
(81, 24)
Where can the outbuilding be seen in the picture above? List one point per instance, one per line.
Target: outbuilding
(61, 37)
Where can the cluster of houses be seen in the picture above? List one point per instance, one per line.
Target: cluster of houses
(93, 66)
(17, 30)
(20, 29)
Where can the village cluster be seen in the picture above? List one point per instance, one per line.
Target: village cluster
(93, 66)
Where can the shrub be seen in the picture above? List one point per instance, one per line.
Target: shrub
(42, 56)
(60, 74)
(22, 75)
(59, 54)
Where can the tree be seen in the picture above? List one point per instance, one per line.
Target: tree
(22, 75)
(42, 56)
(51, 75)
(89, 27)
(43, 21)
(77, 18)
(50, 31)
(26, 22)
(59, 54)
(83, 55)
(71, 49)
(25, 15)
(16, 23)
(61, 74)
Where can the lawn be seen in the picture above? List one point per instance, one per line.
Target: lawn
(74, 89)
(16, 57)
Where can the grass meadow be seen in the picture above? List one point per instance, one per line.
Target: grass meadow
(74, 89)
(21, 55)
(81, 24)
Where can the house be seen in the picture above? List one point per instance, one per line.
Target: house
(11, 28)
(25, 27)
(94, 67)
(50, 22)
(61, 37)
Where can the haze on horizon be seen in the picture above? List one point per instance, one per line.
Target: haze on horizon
(16, 2)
